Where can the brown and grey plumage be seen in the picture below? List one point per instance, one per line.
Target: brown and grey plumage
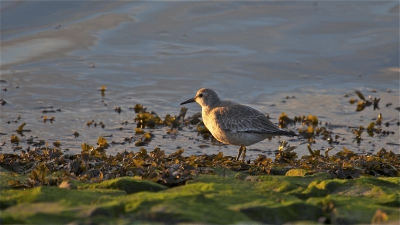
(232, 123)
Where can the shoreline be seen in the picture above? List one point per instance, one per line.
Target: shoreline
(158, 55)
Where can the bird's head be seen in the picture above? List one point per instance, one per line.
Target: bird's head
(204, 97)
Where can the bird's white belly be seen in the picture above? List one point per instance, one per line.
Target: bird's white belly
(240, 139)
(233, 138)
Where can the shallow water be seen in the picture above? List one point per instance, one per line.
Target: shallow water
(158, 54)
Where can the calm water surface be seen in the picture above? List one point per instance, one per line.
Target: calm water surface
(57, 55)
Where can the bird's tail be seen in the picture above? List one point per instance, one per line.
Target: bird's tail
(287, 133)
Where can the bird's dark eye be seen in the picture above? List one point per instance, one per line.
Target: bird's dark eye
(200, 95)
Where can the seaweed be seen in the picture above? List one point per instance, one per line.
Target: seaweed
(118, 109)
(103, 90)
(50, 166)
(364, 102)
(3, 102)
(14, 139)
(20, 129)
(145, 119)
(138, 108)
(51, 119)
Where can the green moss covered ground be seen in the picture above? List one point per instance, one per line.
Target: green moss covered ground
(227, 198)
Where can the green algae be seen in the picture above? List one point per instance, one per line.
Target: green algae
(127, 184)
(296, 172)
(227, 198)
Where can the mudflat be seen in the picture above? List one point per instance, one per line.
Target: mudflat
(300, 58)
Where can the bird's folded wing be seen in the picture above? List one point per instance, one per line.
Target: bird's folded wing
(240, 118)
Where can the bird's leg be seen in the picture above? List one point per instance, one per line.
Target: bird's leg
(243, 152)
(239, 153)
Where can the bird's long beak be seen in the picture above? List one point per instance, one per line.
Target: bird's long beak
(188, 101)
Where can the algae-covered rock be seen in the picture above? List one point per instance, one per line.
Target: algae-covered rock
(280, 214)
(296, 173)
(127, 184)
(224, 198)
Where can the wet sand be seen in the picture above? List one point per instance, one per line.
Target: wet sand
(158, 54)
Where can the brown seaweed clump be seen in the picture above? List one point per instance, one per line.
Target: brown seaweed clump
(50, 166)
(364, 102)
